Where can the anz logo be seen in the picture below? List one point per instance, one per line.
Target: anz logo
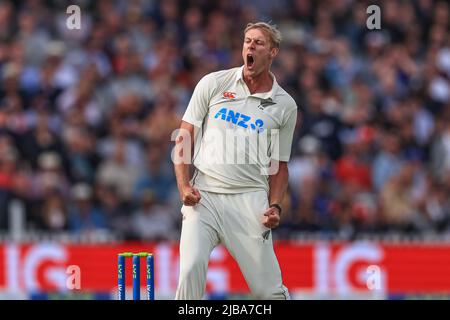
(240, 119)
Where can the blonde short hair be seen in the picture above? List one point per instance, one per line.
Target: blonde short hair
(271, 30)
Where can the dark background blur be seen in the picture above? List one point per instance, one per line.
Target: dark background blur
(86, 115)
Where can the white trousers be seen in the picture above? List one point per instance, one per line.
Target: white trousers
(234, 220)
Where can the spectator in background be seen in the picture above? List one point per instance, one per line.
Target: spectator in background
(8, 168)
(353, 167)
(152, 221)
(35, 39)
(15, 182)
(399, 204)
(118, 137)
(84, 217)
(307, 216)
(49, 176)
(53, 213)
(437, 207)
(81, 97)
(7, 16)
(117, 172)
(42, 139)
(440, 153)
(116, 209)
(307, 163)
(424, 125)
(161, 121)
(158, 175)
(323, 125)
(124, 79)
(83, 159)
(387, 161)
(8, 162)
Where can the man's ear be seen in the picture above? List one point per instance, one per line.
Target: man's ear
(274, 52)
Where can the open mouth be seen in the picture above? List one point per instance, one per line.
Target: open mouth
(250, 60)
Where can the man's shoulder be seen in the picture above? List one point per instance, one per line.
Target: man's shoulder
(221, 74)
(284, 98)
(221, 80)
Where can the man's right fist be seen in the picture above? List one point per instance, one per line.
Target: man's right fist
(190, 196)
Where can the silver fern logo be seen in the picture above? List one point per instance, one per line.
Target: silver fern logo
(265, 103)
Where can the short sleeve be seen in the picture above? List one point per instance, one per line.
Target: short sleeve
(199, 104)
(284, 139)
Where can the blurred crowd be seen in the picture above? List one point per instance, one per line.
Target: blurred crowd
(86, 116)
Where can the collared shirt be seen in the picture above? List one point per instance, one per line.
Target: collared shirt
(238, 132)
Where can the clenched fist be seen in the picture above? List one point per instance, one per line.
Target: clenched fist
(190, 196)
(271, 218)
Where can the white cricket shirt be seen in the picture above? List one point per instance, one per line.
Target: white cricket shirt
(238, 132)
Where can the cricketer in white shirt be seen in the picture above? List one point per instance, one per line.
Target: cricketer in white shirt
(241, 124)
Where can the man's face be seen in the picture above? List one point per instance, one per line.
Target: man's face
(257, 52)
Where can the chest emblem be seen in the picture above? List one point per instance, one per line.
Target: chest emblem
(239, 119)
(229, 95)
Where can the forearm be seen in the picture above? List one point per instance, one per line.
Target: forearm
(182, 175)
(182, 156)
(278, 184)
(189, 195)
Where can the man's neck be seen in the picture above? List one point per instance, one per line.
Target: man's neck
(258, 84)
